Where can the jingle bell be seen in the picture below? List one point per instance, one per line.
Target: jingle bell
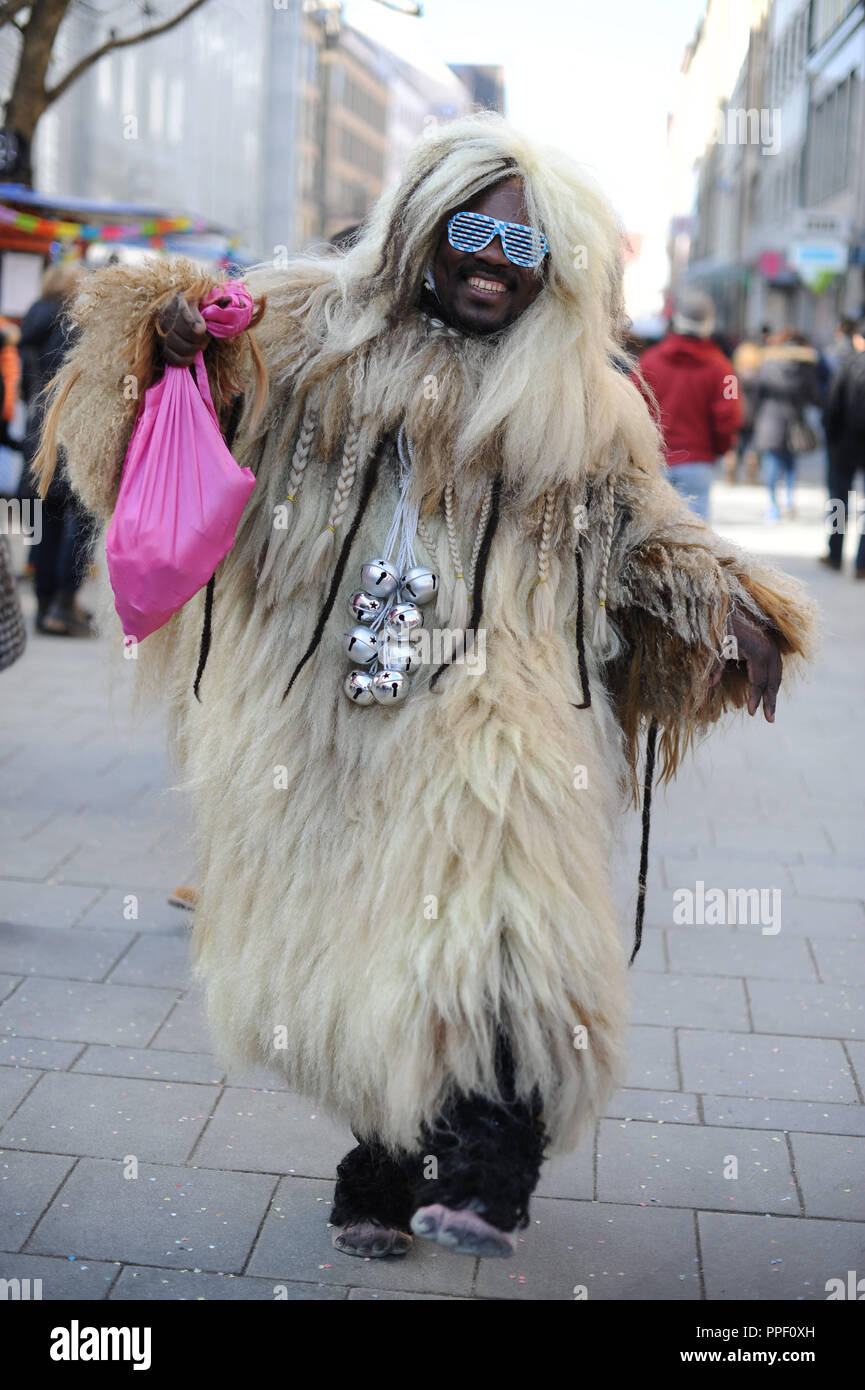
(379, 577)
(389, 687)
(361, 645)
(365, 607)
(419, 585)
(403, 619)
(358, 687)
(399, 655)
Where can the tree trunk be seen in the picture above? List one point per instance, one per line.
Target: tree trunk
(29, 98)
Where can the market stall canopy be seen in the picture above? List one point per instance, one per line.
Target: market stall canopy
(36, 222)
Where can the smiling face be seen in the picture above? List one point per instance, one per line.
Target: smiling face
(482, 291)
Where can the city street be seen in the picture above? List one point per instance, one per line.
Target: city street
(730, 1167)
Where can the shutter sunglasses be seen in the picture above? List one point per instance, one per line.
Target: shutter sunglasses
(472, 231)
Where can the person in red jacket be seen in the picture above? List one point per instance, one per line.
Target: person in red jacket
(695, 390)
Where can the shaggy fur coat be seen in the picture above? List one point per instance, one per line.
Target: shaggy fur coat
(382, 889)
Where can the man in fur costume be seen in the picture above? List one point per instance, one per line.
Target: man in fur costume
(406, 911)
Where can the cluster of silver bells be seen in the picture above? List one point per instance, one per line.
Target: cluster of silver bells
(384, 644)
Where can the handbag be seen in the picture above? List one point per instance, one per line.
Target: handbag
(13, 634)
(801, 438)
(181, 494)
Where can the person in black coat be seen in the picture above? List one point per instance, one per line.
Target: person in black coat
(62, 554)
(786, 382)
(844, 423)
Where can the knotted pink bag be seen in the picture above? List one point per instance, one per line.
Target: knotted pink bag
(182, 493)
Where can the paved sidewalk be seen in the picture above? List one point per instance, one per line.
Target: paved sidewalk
(730, 1167)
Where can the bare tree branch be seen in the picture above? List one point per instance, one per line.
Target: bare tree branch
(8, 12)
(113, 43)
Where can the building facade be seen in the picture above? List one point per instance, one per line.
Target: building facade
(776, 226)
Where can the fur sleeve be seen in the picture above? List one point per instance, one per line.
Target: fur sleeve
(672, 582)
(114, 358)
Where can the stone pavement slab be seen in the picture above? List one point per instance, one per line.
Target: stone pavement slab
(27, 1183)
(272, 1132)
(829, 1168)
(610, 1251)
(141, 1285)
(14, 1085)
(87, 1280)
(651, 954)
(819, 918)
(154, 960)
(50, 904)
(687, 1166)
(172, 1216)
(690, 1001)
(720, 951)
(81, 1012)
(58, 952)
(816, 1117)
(838, 882)
(108, 1117)
(750, 1064)
(808, 1010)
(856, 1052)
(776, 1258)
(149, 1063)
(841, 961)
(140, 910)
(395, 1296)
(47, 1053)
(7, 984)
(717, 869)
(673, 1107)
(572, 1175)
(652, 1059)
(186, 1028)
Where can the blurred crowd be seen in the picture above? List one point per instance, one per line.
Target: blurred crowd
(755, 407)
(30, 355)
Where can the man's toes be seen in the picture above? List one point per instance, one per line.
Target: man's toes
(464, 1231)
(369, 1240)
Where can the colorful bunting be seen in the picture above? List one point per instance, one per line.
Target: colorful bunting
(153, 227)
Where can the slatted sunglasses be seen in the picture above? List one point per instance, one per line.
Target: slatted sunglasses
(472, 231)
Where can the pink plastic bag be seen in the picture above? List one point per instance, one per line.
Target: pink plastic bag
(182, 494)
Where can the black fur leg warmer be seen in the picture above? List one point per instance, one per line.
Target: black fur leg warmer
(488, 1156)
(373, 1184)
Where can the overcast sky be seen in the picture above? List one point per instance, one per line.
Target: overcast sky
(596, 77)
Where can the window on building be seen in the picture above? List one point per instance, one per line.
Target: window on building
(309, 61)
(127, 85)
(104, 84)
(830, 142)
(360, 153)
(157, 105)
(826, 15)
(175, 111)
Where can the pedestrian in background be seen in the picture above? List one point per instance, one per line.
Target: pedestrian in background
(697, 395)
(747, 360)
(846, 342)
(10, 375)
(786, 383)
(844, 423)
(62, 554)
(12, 631)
